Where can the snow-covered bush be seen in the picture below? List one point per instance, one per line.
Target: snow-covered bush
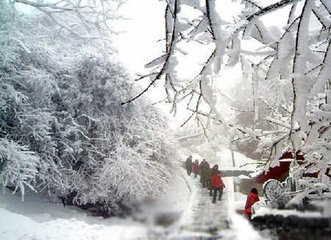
(18, 166)
(63, 130)
(119, 151)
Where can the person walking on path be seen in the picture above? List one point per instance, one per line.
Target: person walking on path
(251, 199)
(204, 168)
(196, 168)
(217, 185)
(213, 171)
(208, 178)
(188, 165)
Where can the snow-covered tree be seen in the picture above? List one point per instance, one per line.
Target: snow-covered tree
(63, 130)
(293, 53)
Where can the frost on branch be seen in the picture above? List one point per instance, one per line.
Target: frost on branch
(63, 130)
(80, 18)
(285, 66)
(18, 166)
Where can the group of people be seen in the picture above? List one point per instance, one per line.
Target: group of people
(210, 177)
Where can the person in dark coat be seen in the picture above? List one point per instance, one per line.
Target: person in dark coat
(217, 185)
(188, 165)
(204, 168)
(252, 198)
(196, 168)
(208, 178)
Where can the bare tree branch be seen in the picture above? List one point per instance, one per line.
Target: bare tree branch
(253, 3)
(270, 8)
(48, 7)
(297, 69)
(209, 19)
(166, 61)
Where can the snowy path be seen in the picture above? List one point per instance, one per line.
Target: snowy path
(188, 206)
(208, 217)
(203, 219)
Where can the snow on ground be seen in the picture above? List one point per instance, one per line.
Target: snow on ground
(36, 219)
(240, 225)
(229, 160)
(39, 219)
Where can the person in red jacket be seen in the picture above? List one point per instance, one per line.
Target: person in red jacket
(196, 168)
(251, 199)
(217, 185)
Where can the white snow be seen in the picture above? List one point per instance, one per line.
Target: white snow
(290, 212)
(241, 162)
(39, 219)
(243, 230)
